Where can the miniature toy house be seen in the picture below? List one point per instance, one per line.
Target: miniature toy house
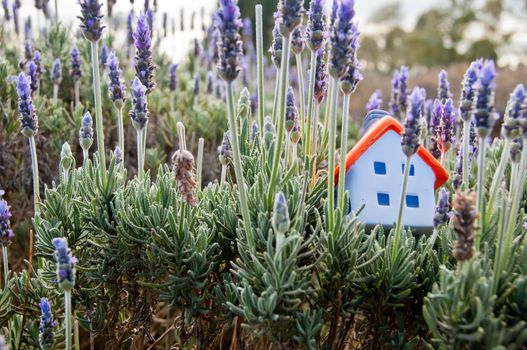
(374, 176)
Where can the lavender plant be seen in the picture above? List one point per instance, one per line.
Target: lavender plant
(76, 72)
(117, 92)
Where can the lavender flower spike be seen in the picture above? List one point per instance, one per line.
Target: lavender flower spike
(297, 40)
(399, 96)
(441, 215)
(412, 124)
(443, 88)
(291, 112)
(289, 15)
(104, 55)
(353, 76)
(56, 72)
(230, 43)
(130, 28)
(28, 118)
(210, 83)
(172, 81)
(91, 23)
(86, 131)
(5, 6)
(316, 26)
(446, 126)
(45, 329)
(144, 67)
(65, 264)
(32, 72)
(276, 47)
(467, 91)
(139, 111)
(196, 84)
(341, 39)
(6, 233)
(484, 115)
(15, 18)
(514, 112)
(116, 87)
(76, 64)
(375, 101)
(321, 78)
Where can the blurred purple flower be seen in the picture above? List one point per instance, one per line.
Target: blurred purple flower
(399, 96)
(56, 72)
(375, 101)
(297, 40)
(86, 131)
(289, 15)
(172, 78)
(443, 88)
(276, 47)
(230, 46)
(468, 92)
(45, 328)
(514, 112)
(104, 55)
(6, 233)
(291, 112)
(210, 83)
(441, 215)
(321, 77)
(76, 64)
(484, 116)
(445, 131)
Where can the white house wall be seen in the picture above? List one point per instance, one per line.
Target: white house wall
(363, 185)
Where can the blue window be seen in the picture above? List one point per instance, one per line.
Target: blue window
(412, 201)
(379, 168)
(412, 170)
(383, 199)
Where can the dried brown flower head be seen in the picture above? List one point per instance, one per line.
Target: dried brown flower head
(464, 217)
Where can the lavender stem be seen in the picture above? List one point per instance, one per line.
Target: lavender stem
(310, 103)
(343, 150)
(34, 167)
(199, 166)
(120, 130)
(6, 265)
(398, 224)
(332, 126)
(300, 71)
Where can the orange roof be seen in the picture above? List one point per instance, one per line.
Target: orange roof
(375, 132)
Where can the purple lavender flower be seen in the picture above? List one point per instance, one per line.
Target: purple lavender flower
(150, 20)
(441, 215)
(197, 48)
(276, 47)
(27, 28)
(56, 72)
(513, 113)
(65, 264)
(427, 110)
(484, 115)
(76, 64)
(118, 154)
(116, 87)
(289, 15)
(269, 131)
(445, 130)
(144, 68)
(412, 125)
(457, 177)
(467, 91)
(91, 17)
(297, 40)
(5, 6)
(353, 76)
(172, 81)
(104, 55)
(210, 83)
(196, 84)
(45, 328)
(28, 118)
(214, 45)
(254, 104)
(15, 18)
(28, 50)
(316, 26)
(218, 92)
(443, 88)
(225, 149)
(375, 101)
(291, 112)
(130, 28)
(38, 63)
(247, 33)
(321, 77)
(399, 96)
(516, 149)
(254, 130)
(32, 73)
(230, 46)
(342, 36)
(86, 131)
(139, 111)
(6, 233)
